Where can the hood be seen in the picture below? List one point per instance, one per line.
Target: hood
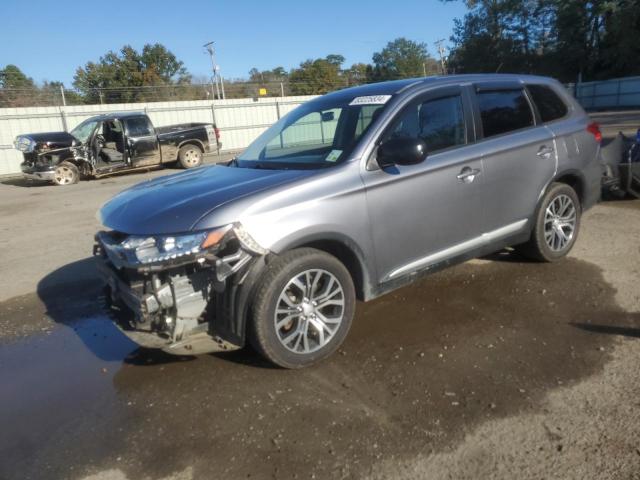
(52, 139)
(175, 203)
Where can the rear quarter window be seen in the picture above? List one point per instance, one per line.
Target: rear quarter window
(549, 104)
(504, 111)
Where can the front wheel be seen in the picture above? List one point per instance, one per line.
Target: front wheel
(557, 225)
(190, 156)
(303, 308)
(66, 173)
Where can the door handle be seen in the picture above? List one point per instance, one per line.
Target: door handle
(545, 152)
(468, 174)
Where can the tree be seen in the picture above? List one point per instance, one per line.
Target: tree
(51, 94)
(119, 77)
(16, 89)
(402, 58)
(566, 39)
(358, 73)
(316, 77)
(502, 35)
(335, 59)
(161, 66)
(620, 46)
(271, 80)
(579, 30)
(277, 74)
(12, 77)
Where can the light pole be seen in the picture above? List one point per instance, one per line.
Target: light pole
(216, 69)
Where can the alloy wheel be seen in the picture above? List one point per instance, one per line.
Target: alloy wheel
(309, 311)
(560, 223)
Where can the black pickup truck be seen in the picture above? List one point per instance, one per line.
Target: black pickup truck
(112, 143)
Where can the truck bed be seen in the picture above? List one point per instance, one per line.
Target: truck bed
(179, 127)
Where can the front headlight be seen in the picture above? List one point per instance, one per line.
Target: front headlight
(151, 249)
(24, 144)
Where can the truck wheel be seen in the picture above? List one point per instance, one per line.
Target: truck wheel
(66, 173)
(557, 225)
(303, 308)
(190, 156)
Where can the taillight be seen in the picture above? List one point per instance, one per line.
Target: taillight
(594, 129)
(216, 130)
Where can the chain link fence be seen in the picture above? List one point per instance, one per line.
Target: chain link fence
(57, 96)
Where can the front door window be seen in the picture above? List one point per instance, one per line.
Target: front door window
(110, 142)
(439, 122)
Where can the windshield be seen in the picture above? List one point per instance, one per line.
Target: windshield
(320, 133)
(83, 131)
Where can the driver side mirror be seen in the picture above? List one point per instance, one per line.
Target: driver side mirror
(401, 151)
(328, 116)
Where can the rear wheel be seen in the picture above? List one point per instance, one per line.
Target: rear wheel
(303, 308)
(66, 173)
(557, 225)
(190, 156)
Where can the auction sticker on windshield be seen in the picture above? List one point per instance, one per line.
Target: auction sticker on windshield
(371, 100)
(333, 155)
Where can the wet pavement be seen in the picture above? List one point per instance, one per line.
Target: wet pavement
(420, 369)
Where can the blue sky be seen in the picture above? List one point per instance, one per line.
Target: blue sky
(48, 40)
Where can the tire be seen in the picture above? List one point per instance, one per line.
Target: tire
(557, 225)
(190, 156)
(291, 338)
(66, 173)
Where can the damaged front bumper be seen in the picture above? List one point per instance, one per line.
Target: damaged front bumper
(185, 306)
(38, 172)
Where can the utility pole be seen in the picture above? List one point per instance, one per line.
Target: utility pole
(441, 52)
(216, 69)
(64, 100)
(222, 85)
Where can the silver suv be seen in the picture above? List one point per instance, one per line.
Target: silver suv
(351, 195)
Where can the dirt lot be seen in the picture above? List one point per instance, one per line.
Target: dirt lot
(498, 368)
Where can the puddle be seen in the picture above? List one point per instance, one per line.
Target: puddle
(57, 386)
(420, 368)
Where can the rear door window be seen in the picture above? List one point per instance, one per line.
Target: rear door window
(139, 127)
(504, 111)
(549, 104)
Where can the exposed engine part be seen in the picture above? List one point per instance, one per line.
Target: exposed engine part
(171, 307)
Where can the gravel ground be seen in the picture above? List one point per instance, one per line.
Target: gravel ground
(497, 368)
